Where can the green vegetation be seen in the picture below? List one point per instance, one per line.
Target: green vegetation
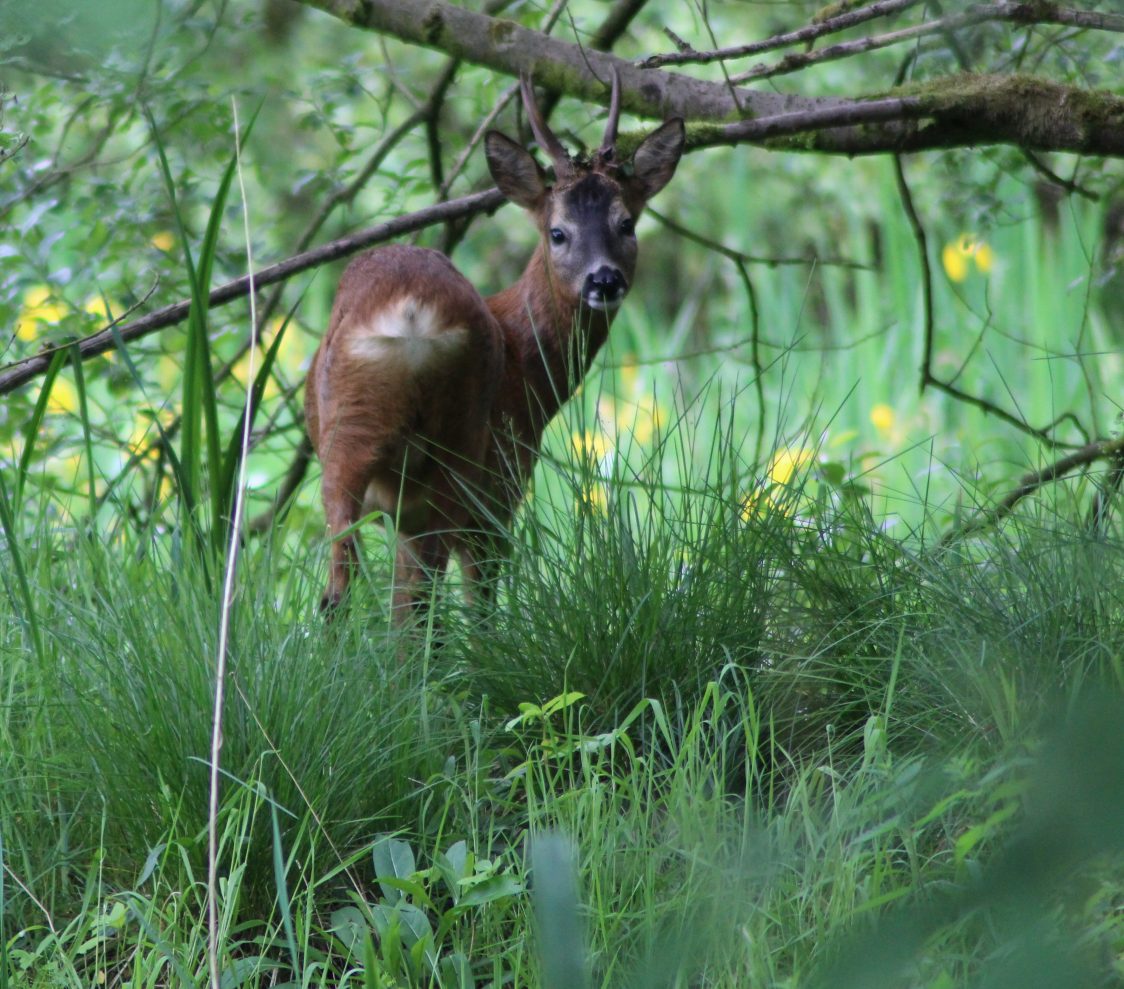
(758, 704)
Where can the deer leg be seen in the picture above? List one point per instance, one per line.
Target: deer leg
(420, 560)
(481, 556)
(344, 485)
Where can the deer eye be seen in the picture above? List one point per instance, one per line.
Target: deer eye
(557, 235)
(627, 226)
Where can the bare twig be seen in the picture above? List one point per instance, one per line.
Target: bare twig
(884, 8)
(1016, 13)
(927, 376)
(770, 261)
(489, 119)
(893, 109)
(1054, 178)
(1032, 481)
(922, 240)
(60, 173)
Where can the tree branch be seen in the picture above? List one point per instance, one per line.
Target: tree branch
(1032, 481)
(505, 46)
(1015, 13)
(16, 374)
(958, 111)
(927, 376)
(955, 111)
(830, 25)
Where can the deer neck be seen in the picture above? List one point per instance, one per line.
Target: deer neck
(550, 341)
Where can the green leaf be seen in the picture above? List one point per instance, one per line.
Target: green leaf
(561, 702)
(155, 854)
(242, 969)
(393, 859)
(489, 890)
(350, 926)
(833, 473)
(452, 866)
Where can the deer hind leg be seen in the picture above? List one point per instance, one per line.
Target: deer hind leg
(482, 554)
(418, 564)
(344, 485)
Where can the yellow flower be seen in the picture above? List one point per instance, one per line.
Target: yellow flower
(954, 264)
(629, 373)
(750, 506)
(787, 462)
(589, 445)
(64, 397)
(97, 306)
(956, 255)
(882, 416)
(593, 498)
(163, 241)
(241, 372)
(38, 308)
(782, 468)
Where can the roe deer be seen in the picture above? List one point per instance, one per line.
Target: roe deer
(427, 402)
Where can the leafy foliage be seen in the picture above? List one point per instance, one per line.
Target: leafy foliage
(792, 733)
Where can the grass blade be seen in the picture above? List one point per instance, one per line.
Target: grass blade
(233, 454)
(36, 420)
(7, 520)
(562, 948)
(84, 413)
(199, 410)
(283, 892)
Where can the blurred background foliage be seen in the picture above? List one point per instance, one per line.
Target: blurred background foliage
(1028, 294)
(732, 657)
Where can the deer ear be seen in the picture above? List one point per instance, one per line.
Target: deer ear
(515, 170)
(655, 160)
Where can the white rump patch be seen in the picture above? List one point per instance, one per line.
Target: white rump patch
(409, 332)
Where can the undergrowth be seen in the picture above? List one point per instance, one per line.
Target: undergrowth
(771, 732)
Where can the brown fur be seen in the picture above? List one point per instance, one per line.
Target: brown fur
(428, 403)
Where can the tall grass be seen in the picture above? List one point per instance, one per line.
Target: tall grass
(790, 733)
(772, 725)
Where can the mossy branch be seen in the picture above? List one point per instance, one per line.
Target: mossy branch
(955, 111)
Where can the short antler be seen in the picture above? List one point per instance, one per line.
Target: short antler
(609, 141)
(543, 134)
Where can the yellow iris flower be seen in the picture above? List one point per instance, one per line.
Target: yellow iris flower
(40, 308)
(958, 256)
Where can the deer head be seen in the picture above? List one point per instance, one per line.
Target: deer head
(587, 216)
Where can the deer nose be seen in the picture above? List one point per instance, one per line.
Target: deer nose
(604, 288)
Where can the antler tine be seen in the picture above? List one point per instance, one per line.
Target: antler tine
(543, 134)
(609, 141)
